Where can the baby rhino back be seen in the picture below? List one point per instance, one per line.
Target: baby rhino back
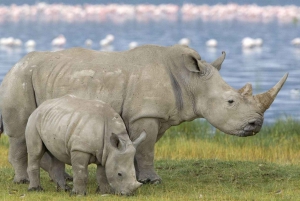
(69, 123)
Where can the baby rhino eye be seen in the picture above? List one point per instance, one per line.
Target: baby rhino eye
(231, 101)
(120, 174)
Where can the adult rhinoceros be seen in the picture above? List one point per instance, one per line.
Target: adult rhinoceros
(151, 87)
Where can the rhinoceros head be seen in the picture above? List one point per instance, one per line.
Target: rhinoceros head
(235, 112)
(119, 166)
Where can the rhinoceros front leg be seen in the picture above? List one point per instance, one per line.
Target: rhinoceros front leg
(79, 161)
(103, 185)
(144, 157)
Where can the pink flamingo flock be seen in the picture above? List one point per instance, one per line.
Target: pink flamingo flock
(119, 13)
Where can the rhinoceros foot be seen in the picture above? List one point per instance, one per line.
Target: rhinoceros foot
(68, 177)
(21, 181)
(66, 188)
(38, 188)
(104, 189)
(77, 193)
(149, 176)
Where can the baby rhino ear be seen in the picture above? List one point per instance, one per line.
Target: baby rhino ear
(192, 64)
(117, 143)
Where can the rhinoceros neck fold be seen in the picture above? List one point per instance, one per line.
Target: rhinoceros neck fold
(102, 156)
(185, 100)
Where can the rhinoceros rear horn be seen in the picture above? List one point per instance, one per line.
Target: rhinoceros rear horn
(264, 100)
(218, 62)
(140, 139)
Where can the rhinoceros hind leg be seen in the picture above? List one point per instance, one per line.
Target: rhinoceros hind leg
(68, 177)
(47, 164)
(18, 159)
(56, 172)
(144, 157)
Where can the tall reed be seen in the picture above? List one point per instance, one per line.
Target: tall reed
(278, 142)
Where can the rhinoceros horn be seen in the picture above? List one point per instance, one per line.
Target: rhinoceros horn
(218, 62)
(265, 99)
(140, 139)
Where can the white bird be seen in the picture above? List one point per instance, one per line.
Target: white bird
(248, 42)
(17, 42)
(295, 93)
(11, 42)
(7, 41)
(212, 43)
(30, 44)
(59, 41)
(132, 45)
(184, 41)
(110, 38)
(296, 42)
(106, 43)
(88, 42)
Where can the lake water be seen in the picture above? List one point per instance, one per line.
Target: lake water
(261, 66)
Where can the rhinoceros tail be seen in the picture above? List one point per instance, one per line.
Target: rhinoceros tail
(1, 125)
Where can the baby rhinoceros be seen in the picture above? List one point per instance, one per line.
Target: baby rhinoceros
(79, 132)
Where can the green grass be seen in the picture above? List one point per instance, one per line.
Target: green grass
(198, 163)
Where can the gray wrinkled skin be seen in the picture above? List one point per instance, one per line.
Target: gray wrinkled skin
(151, 87)
(79, 132)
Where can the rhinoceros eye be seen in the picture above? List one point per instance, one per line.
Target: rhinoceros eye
(120, 174)
(231, 101)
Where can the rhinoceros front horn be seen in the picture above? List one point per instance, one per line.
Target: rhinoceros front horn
(264, 100)
(218, 62)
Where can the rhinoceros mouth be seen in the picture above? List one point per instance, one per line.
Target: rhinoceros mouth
(247, 133)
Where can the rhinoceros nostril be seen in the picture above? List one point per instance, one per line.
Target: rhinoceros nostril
(252, 123)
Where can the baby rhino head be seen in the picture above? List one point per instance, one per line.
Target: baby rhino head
(119, 167)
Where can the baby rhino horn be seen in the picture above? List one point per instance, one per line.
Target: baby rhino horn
(264, 100)
(246, 90)
(140, 139)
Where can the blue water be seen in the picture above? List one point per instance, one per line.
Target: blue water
(263, 67)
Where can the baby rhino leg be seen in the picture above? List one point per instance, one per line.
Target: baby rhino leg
(103, 185)
(56, 171)
(36, 150)
(47, 163)
(79, 161)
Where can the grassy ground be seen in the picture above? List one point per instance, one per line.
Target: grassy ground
(193, 166)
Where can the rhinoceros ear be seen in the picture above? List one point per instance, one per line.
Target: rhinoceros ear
(192, 64)
(218, 62)
(117, 142)
(246, 90)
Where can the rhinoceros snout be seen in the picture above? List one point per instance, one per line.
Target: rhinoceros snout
(251, 128)
(131, 189)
